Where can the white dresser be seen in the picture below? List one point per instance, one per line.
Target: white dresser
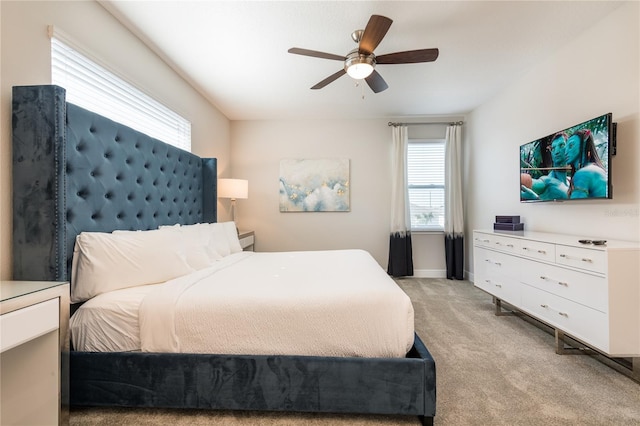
(588, 292)
(34, 367)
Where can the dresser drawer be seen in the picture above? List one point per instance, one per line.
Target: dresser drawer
(480, 268)
(26, 324)
(583, 258)
(586, 289)
(497, 242)
(501, 264)
(481, 240)
(506, 244)
(498, 274)
(577, 320)
(538, 250)
(502, 288)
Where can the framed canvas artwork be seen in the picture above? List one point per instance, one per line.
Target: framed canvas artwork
(314, 185)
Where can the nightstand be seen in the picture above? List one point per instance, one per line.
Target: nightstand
(34, 321)
(247, 240)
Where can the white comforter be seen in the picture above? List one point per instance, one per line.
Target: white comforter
(322, 303)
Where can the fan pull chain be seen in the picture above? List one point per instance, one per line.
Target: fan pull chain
(361, 89)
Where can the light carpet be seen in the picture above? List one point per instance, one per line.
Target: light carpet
(491, 370)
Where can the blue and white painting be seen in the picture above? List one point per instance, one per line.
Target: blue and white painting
(314, 185)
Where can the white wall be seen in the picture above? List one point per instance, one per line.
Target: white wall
(596, 73)
(26, 60)
(256, 150)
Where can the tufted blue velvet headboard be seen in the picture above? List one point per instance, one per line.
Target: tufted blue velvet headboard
(74, 171)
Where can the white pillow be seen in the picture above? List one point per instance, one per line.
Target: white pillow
(208, 242)
(196, 243)
(232, 236)
(218, 240)
(223, 237)
(104, 262)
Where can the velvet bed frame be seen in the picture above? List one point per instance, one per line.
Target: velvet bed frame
(75, 171)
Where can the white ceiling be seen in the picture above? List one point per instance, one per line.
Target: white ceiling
(235, 52)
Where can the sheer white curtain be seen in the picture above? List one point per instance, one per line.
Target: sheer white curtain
(454, 219)
(400, 251)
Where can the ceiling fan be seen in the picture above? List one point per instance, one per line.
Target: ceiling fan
(360, 63)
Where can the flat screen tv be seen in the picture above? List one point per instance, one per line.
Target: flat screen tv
(570, 164)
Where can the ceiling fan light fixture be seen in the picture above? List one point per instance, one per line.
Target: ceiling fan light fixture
(360, 63)
(359, 66)
(360, 71)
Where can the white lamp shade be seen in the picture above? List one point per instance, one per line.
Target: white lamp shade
(233, 188)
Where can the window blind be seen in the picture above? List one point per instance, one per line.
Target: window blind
(425, 179)
(93, 87)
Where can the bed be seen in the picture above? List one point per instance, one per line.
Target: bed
(75, 172)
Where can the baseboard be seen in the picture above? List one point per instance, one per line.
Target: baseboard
(430, 273)
(437, 273)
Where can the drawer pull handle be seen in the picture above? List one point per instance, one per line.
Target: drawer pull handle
(584, 259)
(497, 263)
(498, 285)
(542, 277)
(498, 243)
(539, 251)
(486, 241)
(510, 245)
(544, 306)
(564, 314)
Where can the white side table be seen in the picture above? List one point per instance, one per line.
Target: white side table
(247, 240)
(34, 323)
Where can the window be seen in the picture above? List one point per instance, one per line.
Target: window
(425, 176)
(95, 88)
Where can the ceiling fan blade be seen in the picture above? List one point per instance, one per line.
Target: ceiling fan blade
(315, 54)
(409, 57)
(330, 79)
(376, 82)
(373, 34)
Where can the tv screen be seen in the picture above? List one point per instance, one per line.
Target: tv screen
(569, 164)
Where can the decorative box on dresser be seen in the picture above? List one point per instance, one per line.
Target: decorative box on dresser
(34, 324)
(588, 292)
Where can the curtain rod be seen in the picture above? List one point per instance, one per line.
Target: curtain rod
(450, 123)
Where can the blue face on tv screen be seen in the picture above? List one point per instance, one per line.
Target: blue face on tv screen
(570, 164)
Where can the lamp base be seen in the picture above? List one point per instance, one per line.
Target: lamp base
(233, 214)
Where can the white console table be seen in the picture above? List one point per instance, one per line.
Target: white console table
(589, 292)
(34, 321)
